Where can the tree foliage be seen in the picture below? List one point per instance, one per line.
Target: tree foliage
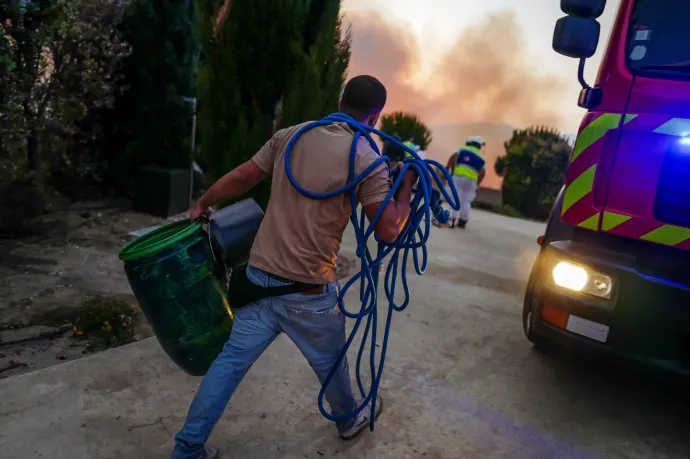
(262, 59)
(533, 170)
(58, 62)
(406, 125)
(314, 86)
(151, 124)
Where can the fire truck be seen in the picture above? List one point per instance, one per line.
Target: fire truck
(613, 272)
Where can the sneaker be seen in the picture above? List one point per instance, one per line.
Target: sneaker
(362, 421)
(210, 453)
(462, 224)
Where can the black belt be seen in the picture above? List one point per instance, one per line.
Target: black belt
(243, 291)
(274, 277)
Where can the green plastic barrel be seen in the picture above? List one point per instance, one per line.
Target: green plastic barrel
(182, 292)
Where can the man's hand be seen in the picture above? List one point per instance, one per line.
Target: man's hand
(395, 215)
(199, 212)
(410, 177)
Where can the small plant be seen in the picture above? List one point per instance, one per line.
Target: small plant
(107, 318)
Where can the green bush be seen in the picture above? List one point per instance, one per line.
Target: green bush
(106, 318)
(406, 125)
(533, 170)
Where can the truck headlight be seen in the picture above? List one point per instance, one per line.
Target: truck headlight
(581, 279)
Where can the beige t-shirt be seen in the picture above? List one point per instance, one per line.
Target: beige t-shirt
(299, 238)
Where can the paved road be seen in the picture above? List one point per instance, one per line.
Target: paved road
(461, 383)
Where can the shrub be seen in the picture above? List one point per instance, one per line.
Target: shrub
(106, 318)
(533, 170)
(406, 125)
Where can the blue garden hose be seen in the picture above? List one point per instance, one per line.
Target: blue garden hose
(425, 205)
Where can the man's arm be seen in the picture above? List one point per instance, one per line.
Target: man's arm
(451, 162)
(481, 175)
(395, 215)
(233, 184)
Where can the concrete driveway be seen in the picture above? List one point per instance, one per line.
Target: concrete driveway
(461, 382)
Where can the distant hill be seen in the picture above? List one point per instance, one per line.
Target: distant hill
(447, 139)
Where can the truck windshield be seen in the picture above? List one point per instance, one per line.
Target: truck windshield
(659, 38)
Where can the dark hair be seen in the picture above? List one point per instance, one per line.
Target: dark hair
(363, 96)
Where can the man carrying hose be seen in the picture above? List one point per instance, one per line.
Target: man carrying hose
(298, 244)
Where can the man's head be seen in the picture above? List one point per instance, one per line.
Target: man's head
(476, 141)
(363, 99)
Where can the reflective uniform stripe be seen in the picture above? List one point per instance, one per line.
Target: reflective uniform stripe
(466, 170)
(411, 146)
(579, 188)
(668, 235)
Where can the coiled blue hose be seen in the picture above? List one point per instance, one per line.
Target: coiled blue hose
(425, 206)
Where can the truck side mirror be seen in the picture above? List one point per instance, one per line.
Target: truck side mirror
(576, 37)
(583, 8)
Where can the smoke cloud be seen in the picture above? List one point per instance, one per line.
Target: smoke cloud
(486, 76)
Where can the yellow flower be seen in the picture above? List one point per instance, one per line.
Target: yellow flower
(74, 328)
(124, 324)
(80, 333)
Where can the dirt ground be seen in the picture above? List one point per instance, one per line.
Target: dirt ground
(46, 276)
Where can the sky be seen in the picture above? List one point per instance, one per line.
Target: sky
(467, 61)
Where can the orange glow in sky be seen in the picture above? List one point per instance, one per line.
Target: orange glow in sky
(434, 28)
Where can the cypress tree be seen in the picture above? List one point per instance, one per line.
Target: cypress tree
(152, 121)
(314, 87)
(262, 58)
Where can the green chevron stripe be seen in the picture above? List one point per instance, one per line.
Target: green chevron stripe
(591, 223)
(611, 220)
(579, 188)
(668, 235)
(594, 131)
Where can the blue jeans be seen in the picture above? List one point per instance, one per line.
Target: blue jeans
(313, 322)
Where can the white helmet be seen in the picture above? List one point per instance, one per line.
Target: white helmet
(476, 139)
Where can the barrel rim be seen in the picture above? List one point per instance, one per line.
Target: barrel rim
(131, 251)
